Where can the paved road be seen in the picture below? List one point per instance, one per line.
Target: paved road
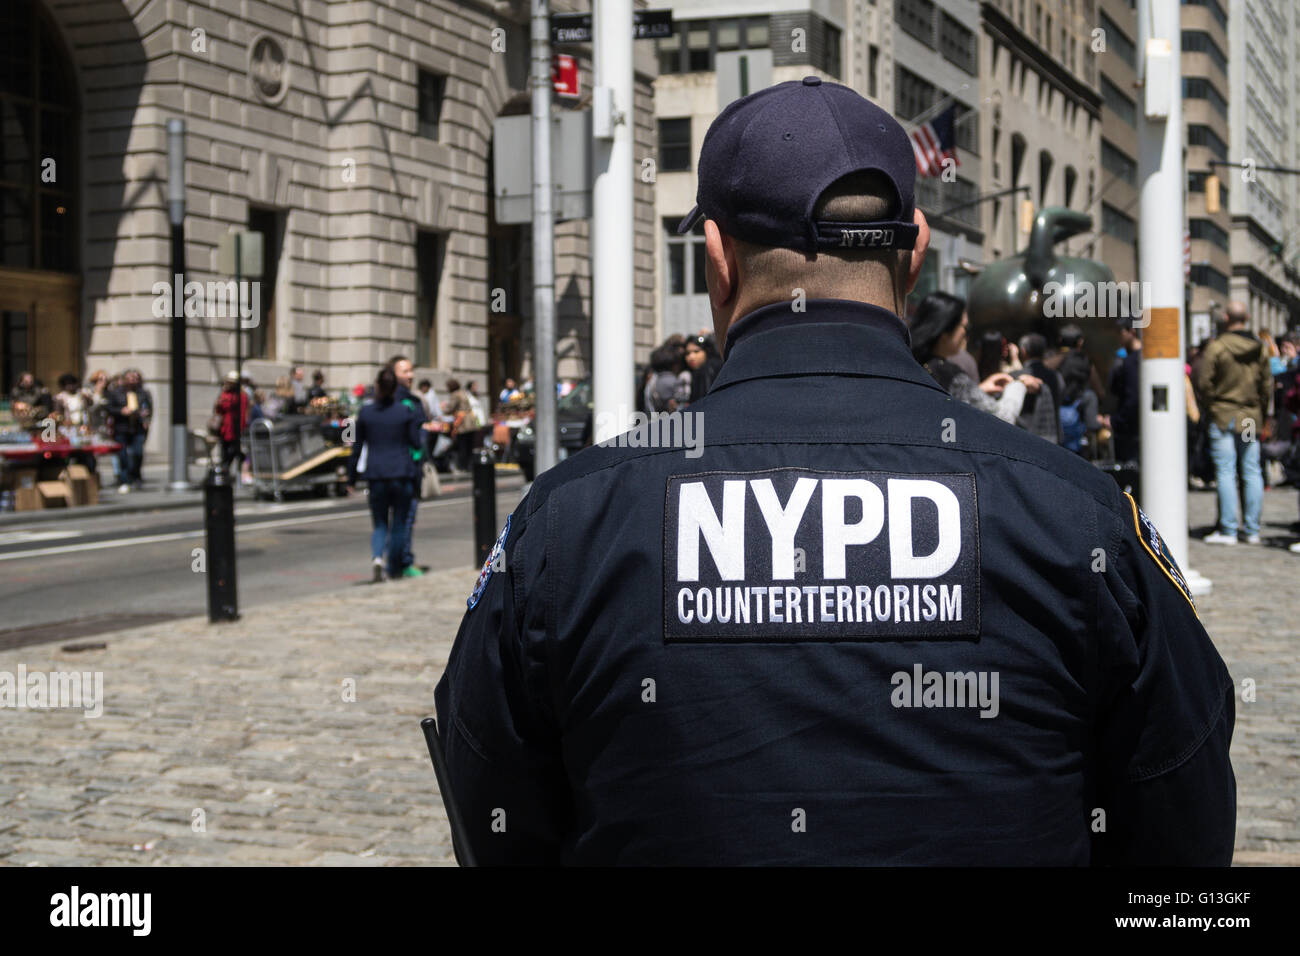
(292, 736)
(79, 577)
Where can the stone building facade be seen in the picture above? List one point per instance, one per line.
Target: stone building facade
(356, 135)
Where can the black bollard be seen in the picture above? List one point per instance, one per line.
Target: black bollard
(485, 506)
(219, 523)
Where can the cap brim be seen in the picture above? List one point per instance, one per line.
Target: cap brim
(691, 221)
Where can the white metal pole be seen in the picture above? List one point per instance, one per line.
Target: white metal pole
(1163, 406)
(544, 422)
(612, 218)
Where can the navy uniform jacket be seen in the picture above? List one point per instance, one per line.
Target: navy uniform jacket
(867, 625)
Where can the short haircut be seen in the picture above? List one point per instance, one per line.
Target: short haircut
(1071, 336)
(392, 362)
(66, 379)
(425, 383)
(1033, 346)
(854, 273)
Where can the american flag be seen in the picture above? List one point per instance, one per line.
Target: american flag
(934, 141)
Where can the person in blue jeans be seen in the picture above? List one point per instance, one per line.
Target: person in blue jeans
(1229, 449)
(1237, 382)
(390, 431)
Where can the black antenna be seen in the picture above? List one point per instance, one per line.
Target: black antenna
(459, 838)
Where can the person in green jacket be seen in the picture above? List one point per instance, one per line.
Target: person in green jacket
(1237, 384)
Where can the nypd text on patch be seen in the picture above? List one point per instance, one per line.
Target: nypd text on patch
(791, 554)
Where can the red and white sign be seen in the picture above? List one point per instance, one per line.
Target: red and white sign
(564, 75)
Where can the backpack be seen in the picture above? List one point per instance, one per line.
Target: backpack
(1073, 431)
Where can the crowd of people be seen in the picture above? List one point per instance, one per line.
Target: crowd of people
(680, 372)
(117, 407)
(1242, 397)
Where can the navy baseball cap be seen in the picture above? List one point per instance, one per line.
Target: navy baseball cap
(769, 156)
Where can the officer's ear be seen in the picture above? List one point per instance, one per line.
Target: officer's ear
(720, 273)
(917, 259)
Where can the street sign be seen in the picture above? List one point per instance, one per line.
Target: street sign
(564, 75)
(576, 27)
(512, 166)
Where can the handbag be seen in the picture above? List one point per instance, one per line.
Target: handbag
(430, 486)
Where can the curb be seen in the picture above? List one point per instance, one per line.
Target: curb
(171, 501)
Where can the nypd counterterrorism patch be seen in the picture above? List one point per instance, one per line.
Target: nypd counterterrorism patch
(494, 562)
(790, 554)
(1154, 545)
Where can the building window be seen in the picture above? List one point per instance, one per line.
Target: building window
(15, 356)
(1119, 104)
(674, 145)
(1198, 41)
(728, 37)
(1116, 162)
(433, 87)
(1117, 224)
(1205, 274)
(830, 60)
(1215, 10)
(695, 44)
(957, 43)
(669, 50)
(1071, 180)
(38, 123)
(916, 17)
(912, 95)
(1199, 135)
(270, 223)
(685, 260)
(1209, 231)
(873, 71)
(1117, 41)
(699, 55)
(934, 195)
(1200, 88)
(1045, 164)
(429, 249)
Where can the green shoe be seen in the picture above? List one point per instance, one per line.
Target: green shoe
(411, 571)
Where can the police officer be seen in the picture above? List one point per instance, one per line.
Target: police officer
(860, 622)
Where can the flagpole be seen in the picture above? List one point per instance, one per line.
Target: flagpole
(934, 110)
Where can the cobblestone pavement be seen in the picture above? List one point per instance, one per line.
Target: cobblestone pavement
(246, 722)
(245, 728)
(1253, 615)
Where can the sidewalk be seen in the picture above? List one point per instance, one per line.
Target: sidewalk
(155, 495)
(245, 728)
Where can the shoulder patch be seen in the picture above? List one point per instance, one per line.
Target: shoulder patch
(1154, 545)
(492, 563)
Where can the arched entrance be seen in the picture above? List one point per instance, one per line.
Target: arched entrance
(39, 280)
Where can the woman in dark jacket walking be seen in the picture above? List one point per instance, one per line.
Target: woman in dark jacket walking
(390, 432)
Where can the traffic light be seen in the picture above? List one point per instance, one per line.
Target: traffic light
(1211, 193)
(1026, 215)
